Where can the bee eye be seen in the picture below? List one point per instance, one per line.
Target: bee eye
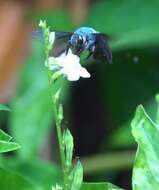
(80, 40)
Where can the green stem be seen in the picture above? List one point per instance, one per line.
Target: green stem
(56, 106)
(62, 153)
(62, 156)
(65, 179)
(60, 139)
(61, 147)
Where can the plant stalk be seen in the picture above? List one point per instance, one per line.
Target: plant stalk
(62, 152)
(60, 142)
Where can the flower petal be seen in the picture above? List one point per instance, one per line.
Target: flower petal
(84, 73)
(73, 77)
(68, 65)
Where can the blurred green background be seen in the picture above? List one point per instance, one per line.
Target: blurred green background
(98, 110)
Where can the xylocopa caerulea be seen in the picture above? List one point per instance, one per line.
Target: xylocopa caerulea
(85, 38)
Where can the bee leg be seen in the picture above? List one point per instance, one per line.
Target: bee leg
(89, 55)
(66, 50)
(77, 52)
(91, 51)
(67, 47)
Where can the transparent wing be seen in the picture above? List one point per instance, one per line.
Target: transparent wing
(61, 41)
(102, 50)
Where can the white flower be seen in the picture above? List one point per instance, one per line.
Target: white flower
(57, 187)
(68, 65)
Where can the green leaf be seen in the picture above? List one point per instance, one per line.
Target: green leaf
(77, 176)
(4, 136)
(8, 146)
(5, 145)
(38, 172)
(130, 23)
(4, 108)
(99, 186)
(32, 110)
(10, 180)
(146, 166)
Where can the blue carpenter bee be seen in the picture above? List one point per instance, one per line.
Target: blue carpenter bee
(84, 38)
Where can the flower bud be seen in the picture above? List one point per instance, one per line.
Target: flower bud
(60, 113)
(68, 143)
(42, 24)
(77, 176)
(55, 76)
(56, 96)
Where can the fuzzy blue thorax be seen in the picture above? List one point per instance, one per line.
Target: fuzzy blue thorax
(85, 34)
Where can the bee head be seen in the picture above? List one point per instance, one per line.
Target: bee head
(77, 40)
(80, 40)
(77, 43)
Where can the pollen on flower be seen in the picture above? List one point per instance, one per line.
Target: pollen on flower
(69, 66)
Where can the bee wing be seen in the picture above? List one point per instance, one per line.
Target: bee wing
(60, 43)
(102, 50)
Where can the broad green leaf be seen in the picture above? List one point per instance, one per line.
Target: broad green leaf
(5, 145)
(146, 166)
(99, 186)
(38, 172)
(8, 146)
(130, 23)
(4, 136)
(4, 108)
(32, 109)
(10, 180)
